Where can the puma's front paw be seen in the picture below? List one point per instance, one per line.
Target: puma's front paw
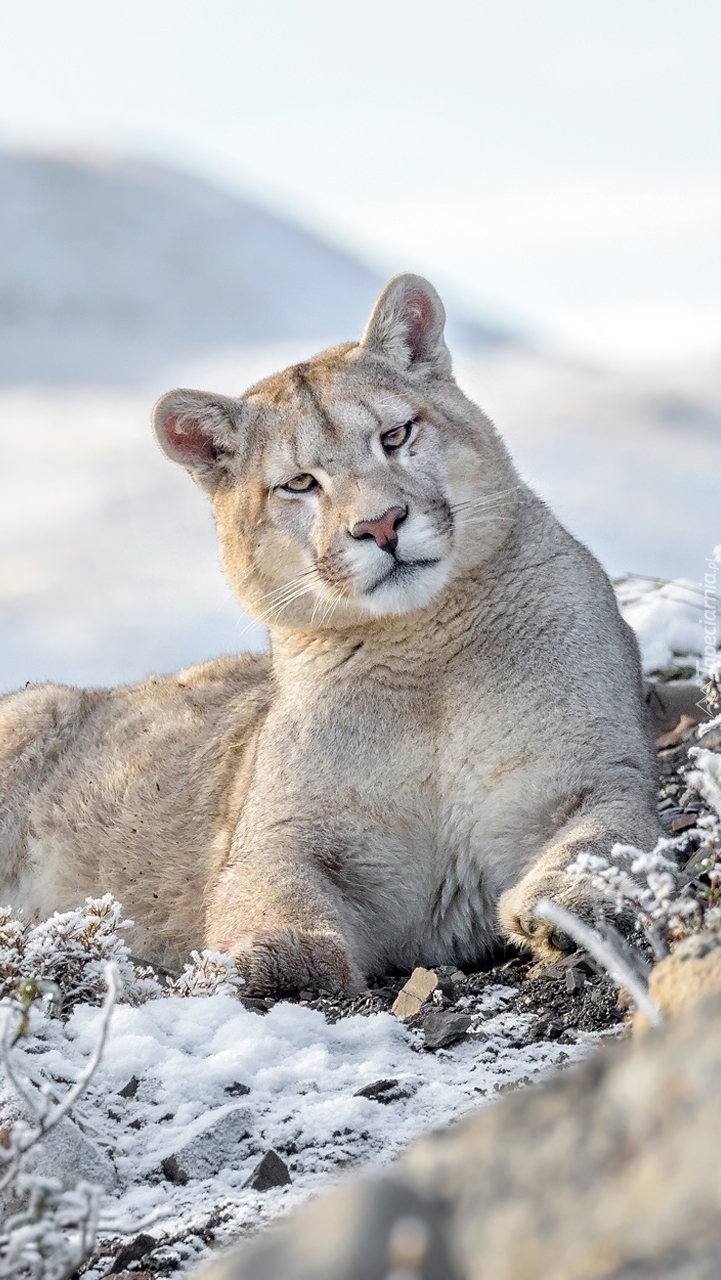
(281, 962)
(519, 922)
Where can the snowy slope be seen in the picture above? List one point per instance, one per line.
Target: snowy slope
(111, 270)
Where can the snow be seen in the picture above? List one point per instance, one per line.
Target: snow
(302, 1074)
(668, 619)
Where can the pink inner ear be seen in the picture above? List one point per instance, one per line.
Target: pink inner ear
(419, 316)
(188, 440)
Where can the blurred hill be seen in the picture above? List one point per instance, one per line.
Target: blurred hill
(120, 280)
(111, 271)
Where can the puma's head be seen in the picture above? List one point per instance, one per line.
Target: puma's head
(357, 484)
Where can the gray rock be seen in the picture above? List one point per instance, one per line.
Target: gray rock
(269, 1172)
(71, 1156)
(384, 1091)
(173, 1171)
(442, 1029)
(66, 1153)
(224, 1144)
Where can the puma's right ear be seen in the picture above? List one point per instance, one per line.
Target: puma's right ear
(406, 327)
(197, 430)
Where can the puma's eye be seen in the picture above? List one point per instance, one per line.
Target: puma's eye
(300, 484)
(398, 436)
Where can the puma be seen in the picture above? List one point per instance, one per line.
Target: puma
(451, 711)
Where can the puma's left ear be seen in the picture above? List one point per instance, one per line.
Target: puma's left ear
(406, 326)
(197, 430)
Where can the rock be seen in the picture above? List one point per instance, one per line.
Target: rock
(690, 973)
(384, 1091)
(65, 1153)
(412, 997)
(683, 822)
(236, 1089)
(173, 1172)
(133, 1252)
(130, 1089)
(222, 1144)
(270, 1172)
(254, 1004)
(609, 1169)
(442, 1029)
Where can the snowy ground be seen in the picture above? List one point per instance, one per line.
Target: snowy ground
(218, 1085)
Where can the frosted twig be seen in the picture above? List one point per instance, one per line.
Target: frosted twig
(47, 1120)
(55, 1231)
(607, 955)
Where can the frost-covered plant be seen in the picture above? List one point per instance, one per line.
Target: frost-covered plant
(207, 974)
(52, 1232)
(668, 901)
(71, 950)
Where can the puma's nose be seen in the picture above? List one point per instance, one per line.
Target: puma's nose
(382, 530)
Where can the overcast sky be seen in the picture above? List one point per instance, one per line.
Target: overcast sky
(556, 165)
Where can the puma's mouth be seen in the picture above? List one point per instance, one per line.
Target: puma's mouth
(400, 571)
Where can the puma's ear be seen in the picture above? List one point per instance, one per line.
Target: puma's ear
(406, 326)
(197, 430)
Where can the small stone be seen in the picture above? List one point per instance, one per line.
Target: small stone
(270, 1172)
(574, 980)
(130, 1089)
(417, 991)
(683, 822)
(443, 1029)
(173, 1172)
(384, 1091)
(253, 1004)
(133, 1252)
(545, 1028)
(236, 1089)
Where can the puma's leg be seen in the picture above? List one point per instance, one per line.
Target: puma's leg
(286, 961)
(280, 916)
(547, 877)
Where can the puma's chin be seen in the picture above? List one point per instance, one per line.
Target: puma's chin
(405, 586)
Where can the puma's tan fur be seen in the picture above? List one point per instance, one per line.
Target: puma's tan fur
(452, 710)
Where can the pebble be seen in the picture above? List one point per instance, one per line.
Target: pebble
(417, 991)
(270, 1172)
(133, 1252)
(443, 1029)
(173, 1172)
(384, 1091)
